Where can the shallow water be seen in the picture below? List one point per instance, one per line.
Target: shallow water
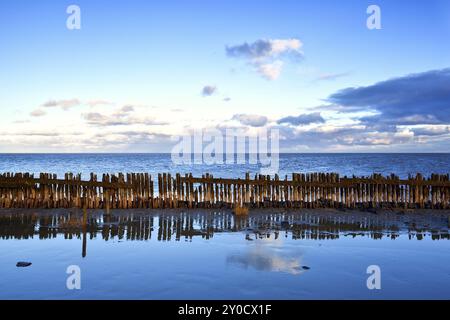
(271, 254)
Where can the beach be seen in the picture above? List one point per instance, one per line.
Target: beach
(212, 254)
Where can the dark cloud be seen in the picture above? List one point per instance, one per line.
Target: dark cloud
(303, 119)
(263, 48)
(257, 49)
(252, 120)
(422, 98)
(267, 56)
(208, 90)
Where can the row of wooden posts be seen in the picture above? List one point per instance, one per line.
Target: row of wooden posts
(303, 190)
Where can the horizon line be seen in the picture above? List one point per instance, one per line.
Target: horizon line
(168, 153)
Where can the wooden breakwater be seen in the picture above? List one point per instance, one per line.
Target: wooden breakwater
(138, 190)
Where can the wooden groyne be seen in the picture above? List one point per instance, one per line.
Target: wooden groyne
(138, 190)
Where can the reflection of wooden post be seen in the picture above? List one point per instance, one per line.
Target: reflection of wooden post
(83, 253)
(84, 216)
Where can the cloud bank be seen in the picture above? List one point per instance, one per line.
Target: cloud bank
(421, 98)
(408, 113)
(303, 119)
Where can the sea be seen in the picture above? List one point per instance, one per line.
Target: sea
(358, 164)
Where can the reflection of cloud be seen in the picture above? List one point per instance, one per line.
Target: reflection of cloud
(264, 258)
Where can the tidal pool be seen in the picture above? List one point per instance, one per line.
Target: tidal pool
(210, 254)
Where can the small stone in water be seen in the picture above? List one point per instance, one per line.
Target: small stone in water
(305, 268)
(22, 264)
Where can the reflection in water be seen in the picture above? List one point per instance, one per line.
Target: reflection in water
(265, 258)
(172, 225)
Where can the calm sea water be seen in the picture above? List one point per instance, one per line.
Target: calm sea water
(201, 254)
(344, 164)
(213, 255)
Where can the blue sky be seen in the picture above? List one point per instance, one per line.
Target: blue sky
(146, 63)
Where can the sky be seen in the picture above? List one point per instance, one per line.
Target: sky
(137, 75)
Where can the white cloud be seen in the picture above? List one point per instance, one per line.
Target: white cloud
(124, 116)
(94, 103)
(252, 120)
(38, 113)
(267, 56)
(270, 71)
(283, 45)
(64, 104)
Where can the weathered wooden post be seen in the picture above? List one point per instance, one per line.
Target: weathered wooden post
(106, 195)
